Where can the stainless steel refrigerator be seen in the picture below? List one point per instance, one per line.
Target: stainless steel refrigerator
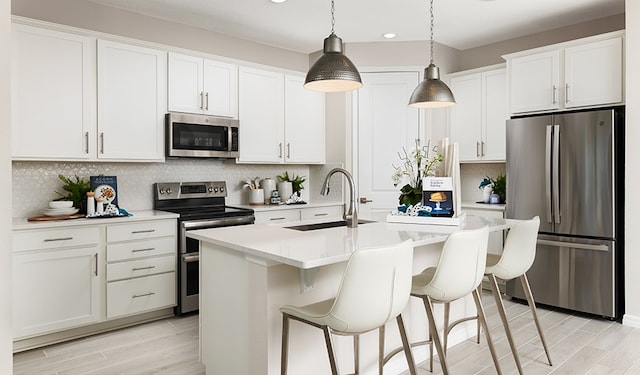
(568, 169)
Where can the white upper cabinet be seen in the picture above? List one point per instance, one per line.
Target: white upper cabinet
(132, 100)
(304, 122)
(477, 121)
(593, 73)
(280, 121)
(53, 111)
(582, 73)
(198, 85)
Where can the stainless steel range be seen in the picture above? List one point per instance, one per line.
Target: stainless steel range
(200, 205)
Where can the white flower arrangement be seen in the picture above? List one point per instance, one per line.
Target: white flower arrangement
(416, 164)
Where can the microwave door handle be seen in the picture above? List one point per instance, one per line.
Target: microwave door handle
(547, 172)
(556, 174)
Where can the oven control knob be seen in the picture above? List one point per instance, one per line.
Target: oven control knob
(210, 189)
(222, 189)
(168, 190)
(215, 189)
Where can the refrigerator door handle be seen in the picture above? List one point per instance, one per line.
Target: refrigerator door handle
(556, 174)
(547, 172)
(573, 245)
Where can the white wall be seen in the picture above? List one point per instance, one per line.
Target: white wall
(632, 255)
(6, 359)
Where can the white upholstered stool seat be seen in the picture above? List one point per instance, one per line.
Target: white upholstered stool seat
(374, 290)
(459, 273)
(518, 255)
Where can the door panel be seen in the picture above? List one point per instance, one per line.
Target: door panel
(526, 170)
(572, 274)
(586, 195)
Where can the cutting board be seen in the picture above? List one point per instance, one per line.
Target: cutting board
(51, 218)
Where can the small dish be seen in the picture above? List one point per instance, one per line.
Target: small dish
(60, 204)
(60, 211)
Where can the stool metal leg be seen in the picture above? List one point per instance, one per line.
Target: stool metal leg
(356, 354)
(436, 337)
(483, 320)
(285, 344)
(503, 316)
(330, 351)
(532, 305)
(407, 347)
(445, 335)
(380, 350)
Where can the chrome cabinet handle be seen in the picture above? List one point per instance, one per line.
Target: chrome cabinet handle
(280, 152)
(277, 218)
(96, 259)
(143, 231)
(143, 268)
(86, 142)
(288, 150)
(477, 149)
(146, 249)
(566, 93)
(206, 100)
(553, 94)
(321, 214)
(102, 143)
(482, 152)
(143, 295)
(201, 100)
(58, 239)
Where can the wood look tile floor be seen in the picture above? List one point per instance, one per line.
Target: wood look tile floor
(579, 344)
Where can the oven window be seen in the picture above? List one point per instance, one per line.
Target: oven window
(199, 137)
(192, 279)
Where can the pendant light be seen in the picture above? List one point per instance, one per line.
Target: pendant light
(432, 92)
(333, 71)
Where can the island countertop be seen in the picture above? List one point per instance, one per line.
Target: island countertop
(316, 248)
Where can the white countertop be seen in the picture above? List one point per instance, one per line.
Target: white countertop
(484, 206)
(317, 248)
(21, 223)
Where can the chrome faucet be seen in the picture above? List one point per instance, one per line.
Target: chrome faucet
(351, 214)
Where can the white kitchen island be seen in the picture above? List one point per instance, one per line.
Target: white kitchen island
(248, 272)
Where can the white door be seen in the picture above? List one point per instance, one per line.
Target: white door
(385, 124)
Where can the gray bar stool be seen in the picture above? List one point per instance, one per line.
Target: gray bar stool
(374, 290)
(517, 257)
(459, 273)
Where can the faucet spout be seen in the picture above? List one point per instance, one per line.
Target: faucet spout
(351, 213)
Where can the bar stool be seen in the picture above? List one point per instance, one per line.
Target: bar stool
(517, 257)
(374, 290)
(459, 273)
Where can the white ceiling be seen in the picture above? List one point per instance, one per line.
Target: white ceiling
(301, 25)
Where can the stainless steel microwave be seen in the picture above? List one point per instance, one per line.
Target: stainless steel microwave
(201, 136)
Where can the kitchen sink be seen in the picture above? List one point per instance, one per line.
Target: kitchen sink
(329, 224)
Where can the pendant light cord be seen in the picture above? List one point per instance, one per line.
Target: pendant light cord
(431, 43)
(333, 18)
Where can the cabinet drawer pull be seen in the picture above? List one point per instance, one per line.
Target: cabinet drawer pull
(277, 218)
(86, 140)
(143, 268)
(322, 214)
(143, 295)
(143, 231)
(145, 249)
(58, 239)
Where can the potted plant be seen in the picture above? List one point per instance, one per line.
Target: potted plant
(500, 187)
(296, 182)
(77, 189)
(416, 164)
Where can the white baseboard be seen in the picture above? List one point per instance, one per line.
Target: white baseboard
(631, 320)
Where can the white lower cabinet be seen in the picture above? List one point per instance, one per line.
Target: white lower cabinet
(57, 280)
(141, 267)
(286, 215)
(75, 276)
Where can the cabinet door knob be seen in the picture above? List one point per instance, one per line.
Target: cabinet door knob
(364, 200)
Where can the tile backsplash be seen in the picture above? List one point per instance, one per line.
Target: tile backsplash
(36, 183)
(472, 174)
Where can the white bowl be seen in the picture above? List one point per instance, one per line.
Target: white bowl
(60, 204)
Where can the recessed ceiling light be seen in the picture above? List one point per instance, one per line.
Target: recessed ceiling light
(389, 35)
(278, 1)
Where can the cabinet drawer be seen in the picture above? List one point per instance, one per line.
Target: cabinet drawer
(141, 267)
(141, 230)
(329, 212)
(143, 294)
(141, 249)
(277, 216)
(55, 238)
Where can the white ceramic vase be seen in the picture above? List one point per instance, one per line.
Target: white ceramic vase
(256, 196)
(285, 189)
(486, 193)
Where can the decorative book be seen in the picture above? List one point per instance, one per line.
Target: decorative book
(438, 196)
(105, 187)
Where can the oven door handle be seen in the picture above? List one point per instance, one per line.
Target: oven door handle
(214, 223)
(190, 258)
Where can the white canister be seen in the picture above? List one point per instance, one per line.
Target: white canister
(285, 189)
(256, 196)
(486, 193)
(268, 185)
